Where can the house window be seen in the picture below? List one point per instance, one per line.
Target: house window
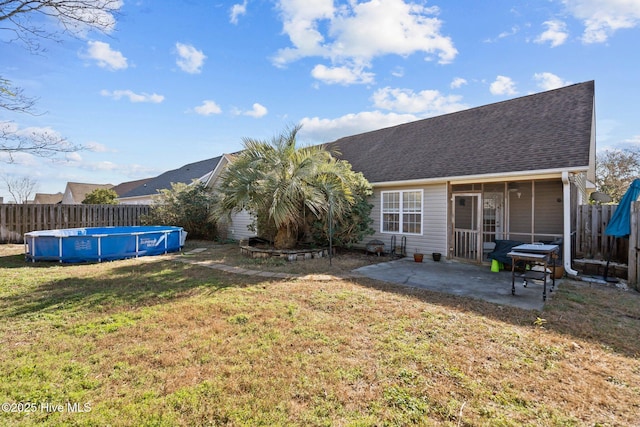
(402, 212)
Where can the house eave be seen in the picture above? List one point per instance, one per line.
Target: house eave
(466, 179)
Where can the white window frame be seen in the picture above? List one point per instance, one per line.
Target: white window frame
(401, 211)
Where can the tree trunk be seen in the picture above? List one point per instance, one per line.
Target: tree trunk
(286, 238)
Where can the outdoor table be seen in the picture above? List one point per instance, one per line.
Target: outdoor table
(532, 254)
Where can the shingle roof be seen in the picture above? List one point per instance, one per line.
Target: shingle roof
(125, 187)
(548, 130)
(79, 190)
(185, 174)
(47, 199)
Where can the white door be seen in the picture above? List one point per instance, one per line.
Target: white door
(467, 218)
(492, 220)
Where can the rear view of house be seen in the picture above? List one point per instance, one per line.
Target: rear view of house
(456, 183)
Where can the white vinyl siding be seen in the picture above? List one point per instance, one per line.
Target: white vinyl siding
(238, 228)
(434, 221)
(402, 212)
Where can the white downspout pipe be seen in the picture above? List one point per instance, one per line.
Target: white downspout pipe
(566, 247)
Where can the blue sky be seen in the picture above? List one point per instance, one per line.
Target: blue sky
(180, 81)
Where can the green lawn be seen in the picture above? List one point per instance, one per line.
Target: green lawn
(157, 342)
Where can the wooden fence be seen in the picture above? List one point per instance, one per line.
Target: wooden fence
(16, 219)
(633, 260)
(591, 242)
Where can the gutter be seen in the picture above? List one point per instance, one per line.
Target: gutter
(502, 176)
(566, 247)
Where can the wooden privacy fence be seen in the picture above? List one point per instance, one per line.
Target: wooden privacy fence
(15, 219)
(591, 242)
(634, 252)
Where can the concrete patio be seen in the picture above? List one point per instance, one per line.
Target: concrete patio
(452, 277)
(459, 278)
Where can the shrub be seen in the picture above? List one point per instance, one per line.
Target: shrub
(101, 196)
(186, 206)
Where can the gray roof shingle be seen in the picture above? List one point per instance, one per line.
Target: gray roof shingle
(547, 130)
(185, 174)
(128, 186)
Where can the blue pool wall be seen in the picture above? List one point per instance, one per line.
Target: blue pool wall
(97, 244)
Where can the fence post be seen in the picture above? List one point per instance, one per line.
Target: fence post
(632, 264)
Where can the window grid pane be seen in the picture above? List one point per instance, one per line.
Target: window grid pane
(391, 202)
(391, 223)
(402, 210)
(411, 223)
(391, 212)
(411, 201)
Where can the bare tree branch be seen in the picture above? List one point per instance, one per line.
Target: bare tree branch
(39, 142)
(13, 98)
(616, 170)
(21, 188)
(21, 17)
(28, 21)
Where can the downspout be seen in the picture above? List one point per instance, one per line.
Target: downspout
(566, 247)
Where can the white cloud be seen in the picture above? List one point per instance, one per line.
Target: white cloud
(96, 147)
(549, 81)
(104, 166)
(207, 108)
(190, 59)
(133, 97)
(503, 86)
(18, 159)
(353, 34)
(634, 140)
(8, 127)
(73, 157)
(105, 56)
(602, 18)
(503, 35)
(236, 11)
(257, 111)
(326, 130)
(397, 72)
(300, 23)
(132, 171)
(36, 133)
(556, 33)
(512, 32)
(341, 75)
(426, 102)
(100, 15)
(458, 82)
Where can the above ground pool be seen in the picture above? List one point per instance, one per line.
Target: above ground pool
(96, 244)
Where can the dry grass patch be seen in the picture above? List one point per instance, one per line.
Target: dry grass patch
(155, 342)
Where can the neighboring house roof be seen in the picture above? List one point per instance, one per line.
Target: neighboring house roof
(126, 187)
(47, 199)
(545, 131)
(76, 192)
(186, 174)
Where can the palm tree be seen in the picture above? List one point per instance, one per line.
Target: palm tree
(280, 184)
